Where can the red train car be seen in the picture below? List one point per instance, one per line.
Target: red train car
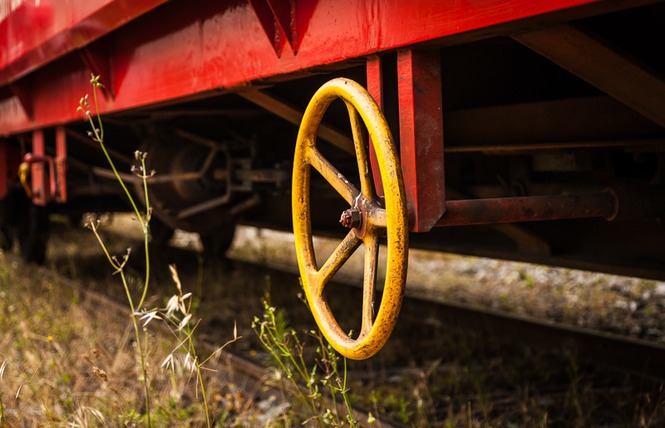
(521, 129)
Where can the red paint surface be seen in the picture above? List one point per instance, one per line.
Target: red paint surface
(421, 135)
(40, 188)
(375, 89)
(60, 164)
(186, 48)
(37, 32)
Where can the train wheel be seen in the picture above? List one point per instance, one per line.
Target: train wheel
(160, 233)
(216, 243)
(6, 238)
(6, 227)
(33, 233)
(369, 217)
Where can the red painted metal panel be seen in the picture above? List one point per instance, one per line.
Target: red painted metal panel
(186, 48)
(278, 20)
(421, 135)
(35, 32)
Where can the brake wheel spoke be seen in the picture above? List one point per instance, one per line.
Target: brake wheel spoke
(371, 243)
(328, 171)
(362, 155)
(342, 253)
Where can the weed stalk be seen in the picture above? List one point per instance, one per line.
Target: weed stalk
(97, 135)
(177, 314)
(286, 350)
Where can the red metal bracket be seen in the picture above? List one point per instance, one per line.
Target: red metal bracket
(61, 164)
(375, 89)
(43, 189)
(421, 135)
(51, 187)
(36, 160)
(23, 96)
(277, 18)
(98, 64)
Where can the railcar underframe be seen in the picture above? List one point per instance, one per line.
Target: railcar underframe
(523, 130)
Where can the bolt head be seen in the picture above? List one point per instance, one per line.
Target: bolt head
(351, 218)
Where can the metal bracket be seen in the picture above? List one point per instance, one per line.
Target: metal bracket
(98, 64)
(45, 188)
(277, 18)
(24, 98)
(421, 135)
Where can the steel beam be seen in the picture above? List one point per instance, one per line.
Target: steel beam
(186, 49)
(294, 116)
(421, 135)
(603, 66)
(35, 33)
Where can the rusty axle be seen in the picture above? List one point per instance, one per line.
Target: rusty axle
(610, 204)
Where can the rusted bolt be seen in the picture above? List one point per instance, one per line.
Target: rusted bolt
(351, 218)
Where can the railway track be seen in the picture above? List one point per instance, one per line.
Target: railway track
(640, 357)
(614, 350)
(430, 338)
(626, 354)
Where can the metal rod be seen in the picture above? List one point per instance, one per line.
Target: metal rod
(294, 116)
(512, 148)
(529, 208)
(204, 206)
(157, 179)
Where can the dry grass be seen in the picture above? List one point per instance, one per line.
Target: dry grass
(91, 363)
(68, 361)
(465, 383)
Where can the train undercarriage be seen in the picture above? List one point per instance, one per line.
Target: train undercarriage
(537, 137)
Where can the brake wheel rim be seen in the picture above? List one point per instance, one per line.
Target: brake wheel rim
(372, 337)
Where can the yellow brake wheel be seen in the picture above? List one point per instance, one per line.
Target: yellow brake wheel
(369, 217)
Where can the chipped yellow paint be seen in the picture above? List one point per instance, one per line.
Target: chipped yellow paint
(388, 214)
(23, 172)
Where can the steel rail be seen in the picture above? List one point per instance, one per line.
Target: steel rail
(611, 350)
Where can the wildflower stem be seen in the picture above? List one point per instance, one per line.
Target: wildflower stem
(303, 383)
(146, 231)
(347, 401)
(97, 134)
(199, 375)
